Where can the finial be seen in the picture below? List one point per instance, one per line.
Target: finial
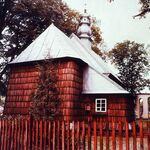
(85, 7)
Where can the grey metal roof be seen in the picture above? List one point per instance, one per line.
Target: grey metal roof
(53, 43)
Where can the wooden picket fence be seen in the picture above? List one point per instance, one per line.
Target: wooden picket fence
(27, 134)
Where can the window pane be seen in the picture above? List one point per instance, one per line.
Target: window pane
(103, 101)
(103, 109)
(98, 109)
(98, 105)
(103, 105)
(98, 101)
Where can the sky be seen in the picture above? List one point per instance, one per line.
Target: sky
(116, 20)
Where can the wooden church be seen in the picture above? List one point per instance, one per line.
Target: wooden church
(87, 87)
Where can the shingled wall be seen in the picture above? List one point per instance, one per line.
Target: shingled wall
(23, 81)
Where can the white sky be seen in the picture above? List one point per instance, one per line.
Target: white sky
(116, 20)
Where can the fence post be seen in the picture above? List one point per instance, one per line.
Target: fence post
(58, 134)
(73, 133)
(148, 135)
(37, 133)
(83, 135)
(54, 134)
(63, 135)
(78, 135)
(8, 134)
(68, 135)
(15, 135)
(29, 133)
(134, 135)
(25, 135)
(45, 129)
(95, 135)
(101, 134)
(141, 134)
(127, 135)
(33, 133)
(12, 136)
(120, 136)
(89, 135)
(49, 135)
(113, 135)
(107, 135)
(5, 135)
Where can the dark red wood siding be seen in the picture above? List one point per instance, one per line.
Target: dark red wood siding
(23, 80)
(119, 106)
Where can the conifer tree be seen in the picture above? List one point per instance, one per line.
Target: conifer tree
(45, 100)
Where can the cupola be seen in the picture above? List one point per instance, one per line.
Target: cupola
(84, 29)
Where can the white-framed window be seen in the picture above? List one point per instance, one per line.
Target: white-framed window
(101, 105)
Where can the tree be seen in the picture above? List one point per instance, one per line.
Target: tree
(26, 19)
(132, 62)
(145, 8)
(5, 6)
(45, 100)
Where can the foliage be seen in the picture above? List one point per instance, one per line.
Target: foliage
(97, 39)
(145, 8)
(132, 62)
(24, 20)
(45, 100)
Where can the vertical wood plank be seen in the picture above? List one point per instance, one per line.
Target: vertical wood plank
(0, 131)
(3, 132)
(134, 135)
(113, 136)
(58, 134)
(21, 133)
(63, 135)
(49, 135)
(25, 135)
(41, 134)
(89, 135)
(54, 134)
(12, 136)
(68, 135)
(36, 134)
(83, 135)
(18, 135)
(148, 135)
(141, 135)
(45, 129)
(120, 136)
(107, 135)
(5, 135)
(101, 134)
(95, 135)
(73, 135)
(33, 134)
(8, 134)
(29, 131)
(15, 134)
(78, 135)
(127, 135)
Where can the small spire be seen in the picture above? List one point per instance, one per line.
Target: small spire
(84, 30)
(85, 7)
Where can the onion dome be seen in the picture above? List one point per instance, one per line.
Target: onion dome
(84, 29)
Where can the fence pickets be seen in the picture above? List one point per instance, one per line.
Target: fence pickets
(26, 134)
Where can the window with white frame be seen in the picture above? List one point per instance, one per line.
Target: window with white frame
(101, 105)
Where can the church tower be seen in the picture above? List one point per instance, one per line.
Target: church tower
(84, 30)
